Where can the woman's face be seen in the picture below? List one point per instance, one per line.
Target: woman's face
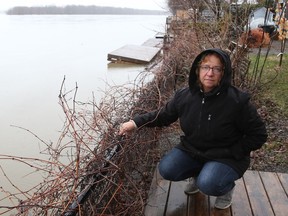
(211, 71)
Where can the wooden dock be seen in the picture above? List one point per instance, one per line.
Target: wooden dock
(257, 193)
(134, 53)
(139, 54)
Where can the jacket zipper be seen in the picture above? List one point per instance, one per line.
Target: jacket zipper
(209, 123)
(200, 114)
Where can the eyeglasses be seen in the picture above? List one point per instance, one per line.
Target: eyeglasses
(206, 68)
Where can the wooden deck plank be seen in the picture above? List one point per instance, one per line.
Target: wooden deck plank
(158, 195)
(277, 196)
(283, 177)
(198, 205)
(177, 202)
(240, 205)
(215, 211)
(259, 202)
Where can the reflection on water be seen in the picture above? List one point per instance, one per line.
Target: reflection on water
(125, 65)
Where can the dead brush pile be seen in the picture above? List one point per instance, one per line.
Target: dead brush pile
(123, 189)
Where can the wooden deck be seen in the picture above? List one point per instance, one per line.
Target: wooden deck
(134, 54)
(257, 193)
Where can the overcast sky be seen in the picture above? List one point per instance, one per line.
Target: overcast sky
(139, 4)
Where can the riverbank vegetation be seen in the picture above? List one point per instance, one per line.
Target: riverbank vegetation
(93, 171)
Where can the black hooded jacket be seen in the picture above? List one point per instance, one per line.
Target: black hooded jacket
(220, 125)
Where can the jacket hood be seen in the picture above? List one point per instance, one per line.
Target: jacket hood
(226, 79)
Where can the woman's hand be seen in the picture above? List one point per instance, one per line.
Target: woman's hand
(127, 127)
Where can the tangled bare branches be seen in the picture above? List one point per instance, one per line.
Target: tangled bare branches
(84, 160)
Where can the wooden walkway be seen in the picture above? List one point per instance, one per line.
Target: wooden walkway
(257, 193)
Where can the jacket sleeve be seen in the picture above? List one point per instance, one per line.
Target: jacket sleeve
(158, 118)
(253, 129)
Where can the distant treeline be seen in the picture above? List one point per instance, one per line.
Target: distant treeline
(77, 9)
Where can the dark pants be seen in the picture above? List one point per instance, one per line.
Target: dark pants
(213, 178)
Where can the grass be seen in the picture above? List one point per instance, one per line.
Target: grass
(274, 80)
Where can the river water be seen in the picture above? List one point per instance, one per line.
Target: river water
(36, 52)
